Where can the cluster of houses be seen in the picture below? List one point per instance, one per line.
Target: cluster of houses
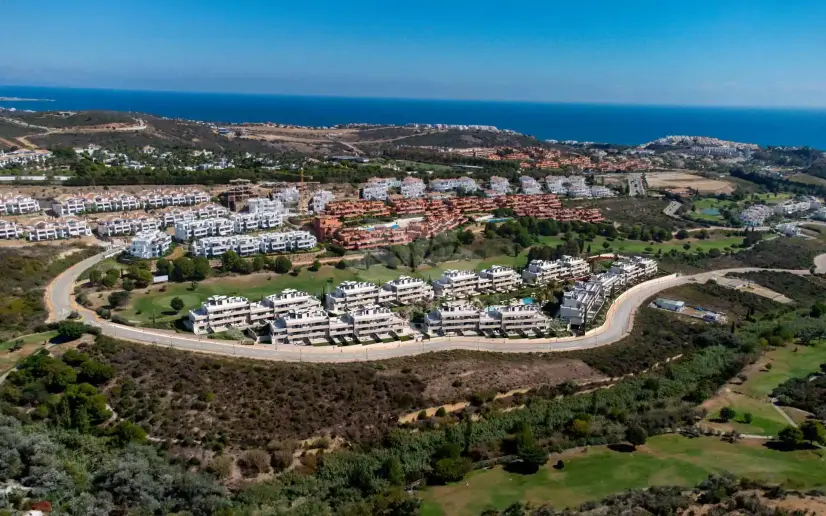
(358, 311)
(44, 229)
(71, 204)
(575, 187)
(756, 214)
(23, 157)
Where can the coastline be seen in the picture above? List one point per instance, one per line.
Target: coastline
(20, 99)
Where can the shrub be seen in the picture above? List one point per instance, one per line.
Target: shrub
(636, 435)
(727, 414)
(177, 304)
(341, 264)
(422, 415)
(71, 330)
(221, 466)
(118, 299)
(441, 412)
(254, 462)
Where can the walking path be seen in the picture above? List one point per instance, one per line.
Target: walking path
(618, 323)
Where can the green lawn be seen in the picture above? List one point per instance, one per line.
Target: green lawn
(665, 460)
(765, 419)
(37, 338)
(786, 363)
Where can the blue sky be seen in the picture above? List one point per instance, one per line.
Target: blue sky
(694, 52)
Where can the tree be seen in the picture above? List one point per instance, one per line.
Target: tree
(127, 432)
(118, 299)
(177, 304)
(96, 373)
(341, 264)
(791, 436)
(229, 261)
(727, 414)
(393, 472)
(682, 234)
(813, 431)
(128, 285)
(282, 265)
(70, 330)
(315, 266)
(636, 435)
(748, 418)
(141, 277)
(202, 269)
(183, 269)
(466, 237)
(95, 276)
(450, 470)
(163, 266)
(818, 309)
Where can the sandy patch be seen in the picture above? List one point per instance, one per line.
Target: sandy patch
(686, 180)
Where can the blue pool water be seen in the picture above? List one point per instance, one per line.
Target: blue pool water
(710, 211)
(527, 301)
(499, 220)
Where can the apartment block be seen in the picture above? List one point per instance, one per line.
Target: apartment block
(111, 201)
(190, 229)
(374, 192)
(58, 229)
(540, 272)
(412, 188)
(211, 211)
(217, 313)
(317, 325)
(16, 204)
(10, 230)
(406, 290)
(790, 207)
(150, 244)
(353, 295)
(124, 225)
(291, 300)
(581, 303)
(409, 206)
(290, 196)
(499, 185)
(456, 317)
(756, 215)
(357, 209)
(320, 199)
(215, 246)
(452, 317)
(325, 226)
(286, 241)
(460, 183)
(499, 278)
(264, 205)
(162, 198)
(529, 185)
(373, 321)
(249, 222)
(635, 268)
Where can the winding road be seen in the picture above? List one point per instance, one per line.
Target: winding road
(618, 323)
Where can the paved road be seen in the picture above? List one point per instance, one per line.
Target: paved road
(618, 323)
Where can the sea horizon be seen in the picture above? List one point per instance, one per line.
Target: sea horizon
(628, 124)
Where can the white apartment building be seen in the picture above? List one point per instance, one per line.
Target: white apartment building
(171, 216)
(407, 290)
(189, 229)
(499, 278)
(459, 317)
(353, 295)
(789, 207)
(220, 313)
(529, 185)
(58, 229)
(499, 185)
(755, 215)
(286, 241)
(290, 196)
(320, 200)
(10, 230)
(16, 204)
(264, 205)
(119, 225)
(301, 328)
(173, 197)
(291, 300)
(412, 188)
(373, 321)
(598, 191)
(64, 205)
(212, 211)
(573, 186)
(581, 303)
(452, 317)
(789, 229)
(215, 246)
(461, 183)
(540, 272)
(456, 284)
(635, 268)
(374, 191)
(111, 201)
(249, 222)
(150, 244)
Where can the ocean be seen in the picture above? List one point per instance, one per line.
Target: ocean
(624, 124)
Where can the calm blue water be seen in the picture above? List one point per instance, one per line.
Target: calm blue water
(583, 122)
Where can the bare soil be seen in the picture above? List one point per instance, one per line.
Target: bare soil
(686, 180)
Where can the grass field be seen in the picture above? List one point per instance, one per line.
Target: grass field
(664, 460)
(806, 179)
(765, 419)
(145, 305)
(786, 363)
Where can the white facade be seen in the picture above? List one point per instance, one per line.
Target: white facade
(187, 229)
(789, 229)
(219, 313)
(755, 215)
(320, 200)
(246, 245)
(115, 226)
(635, 268)
(412, 188)
(499, 278)
(529, 185)
(540, 272)
(10, 230)
(16, 204)
(789, 207)
(499, 185)
(353, 295)
(374, 192)
(461, 183)
(248, 222)
(289, 196)
(317, 325)
(173, 197)
(150, 244)
(457, 284)
(406, 290)
(58, 229)
(459, 317)
(264, 205)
